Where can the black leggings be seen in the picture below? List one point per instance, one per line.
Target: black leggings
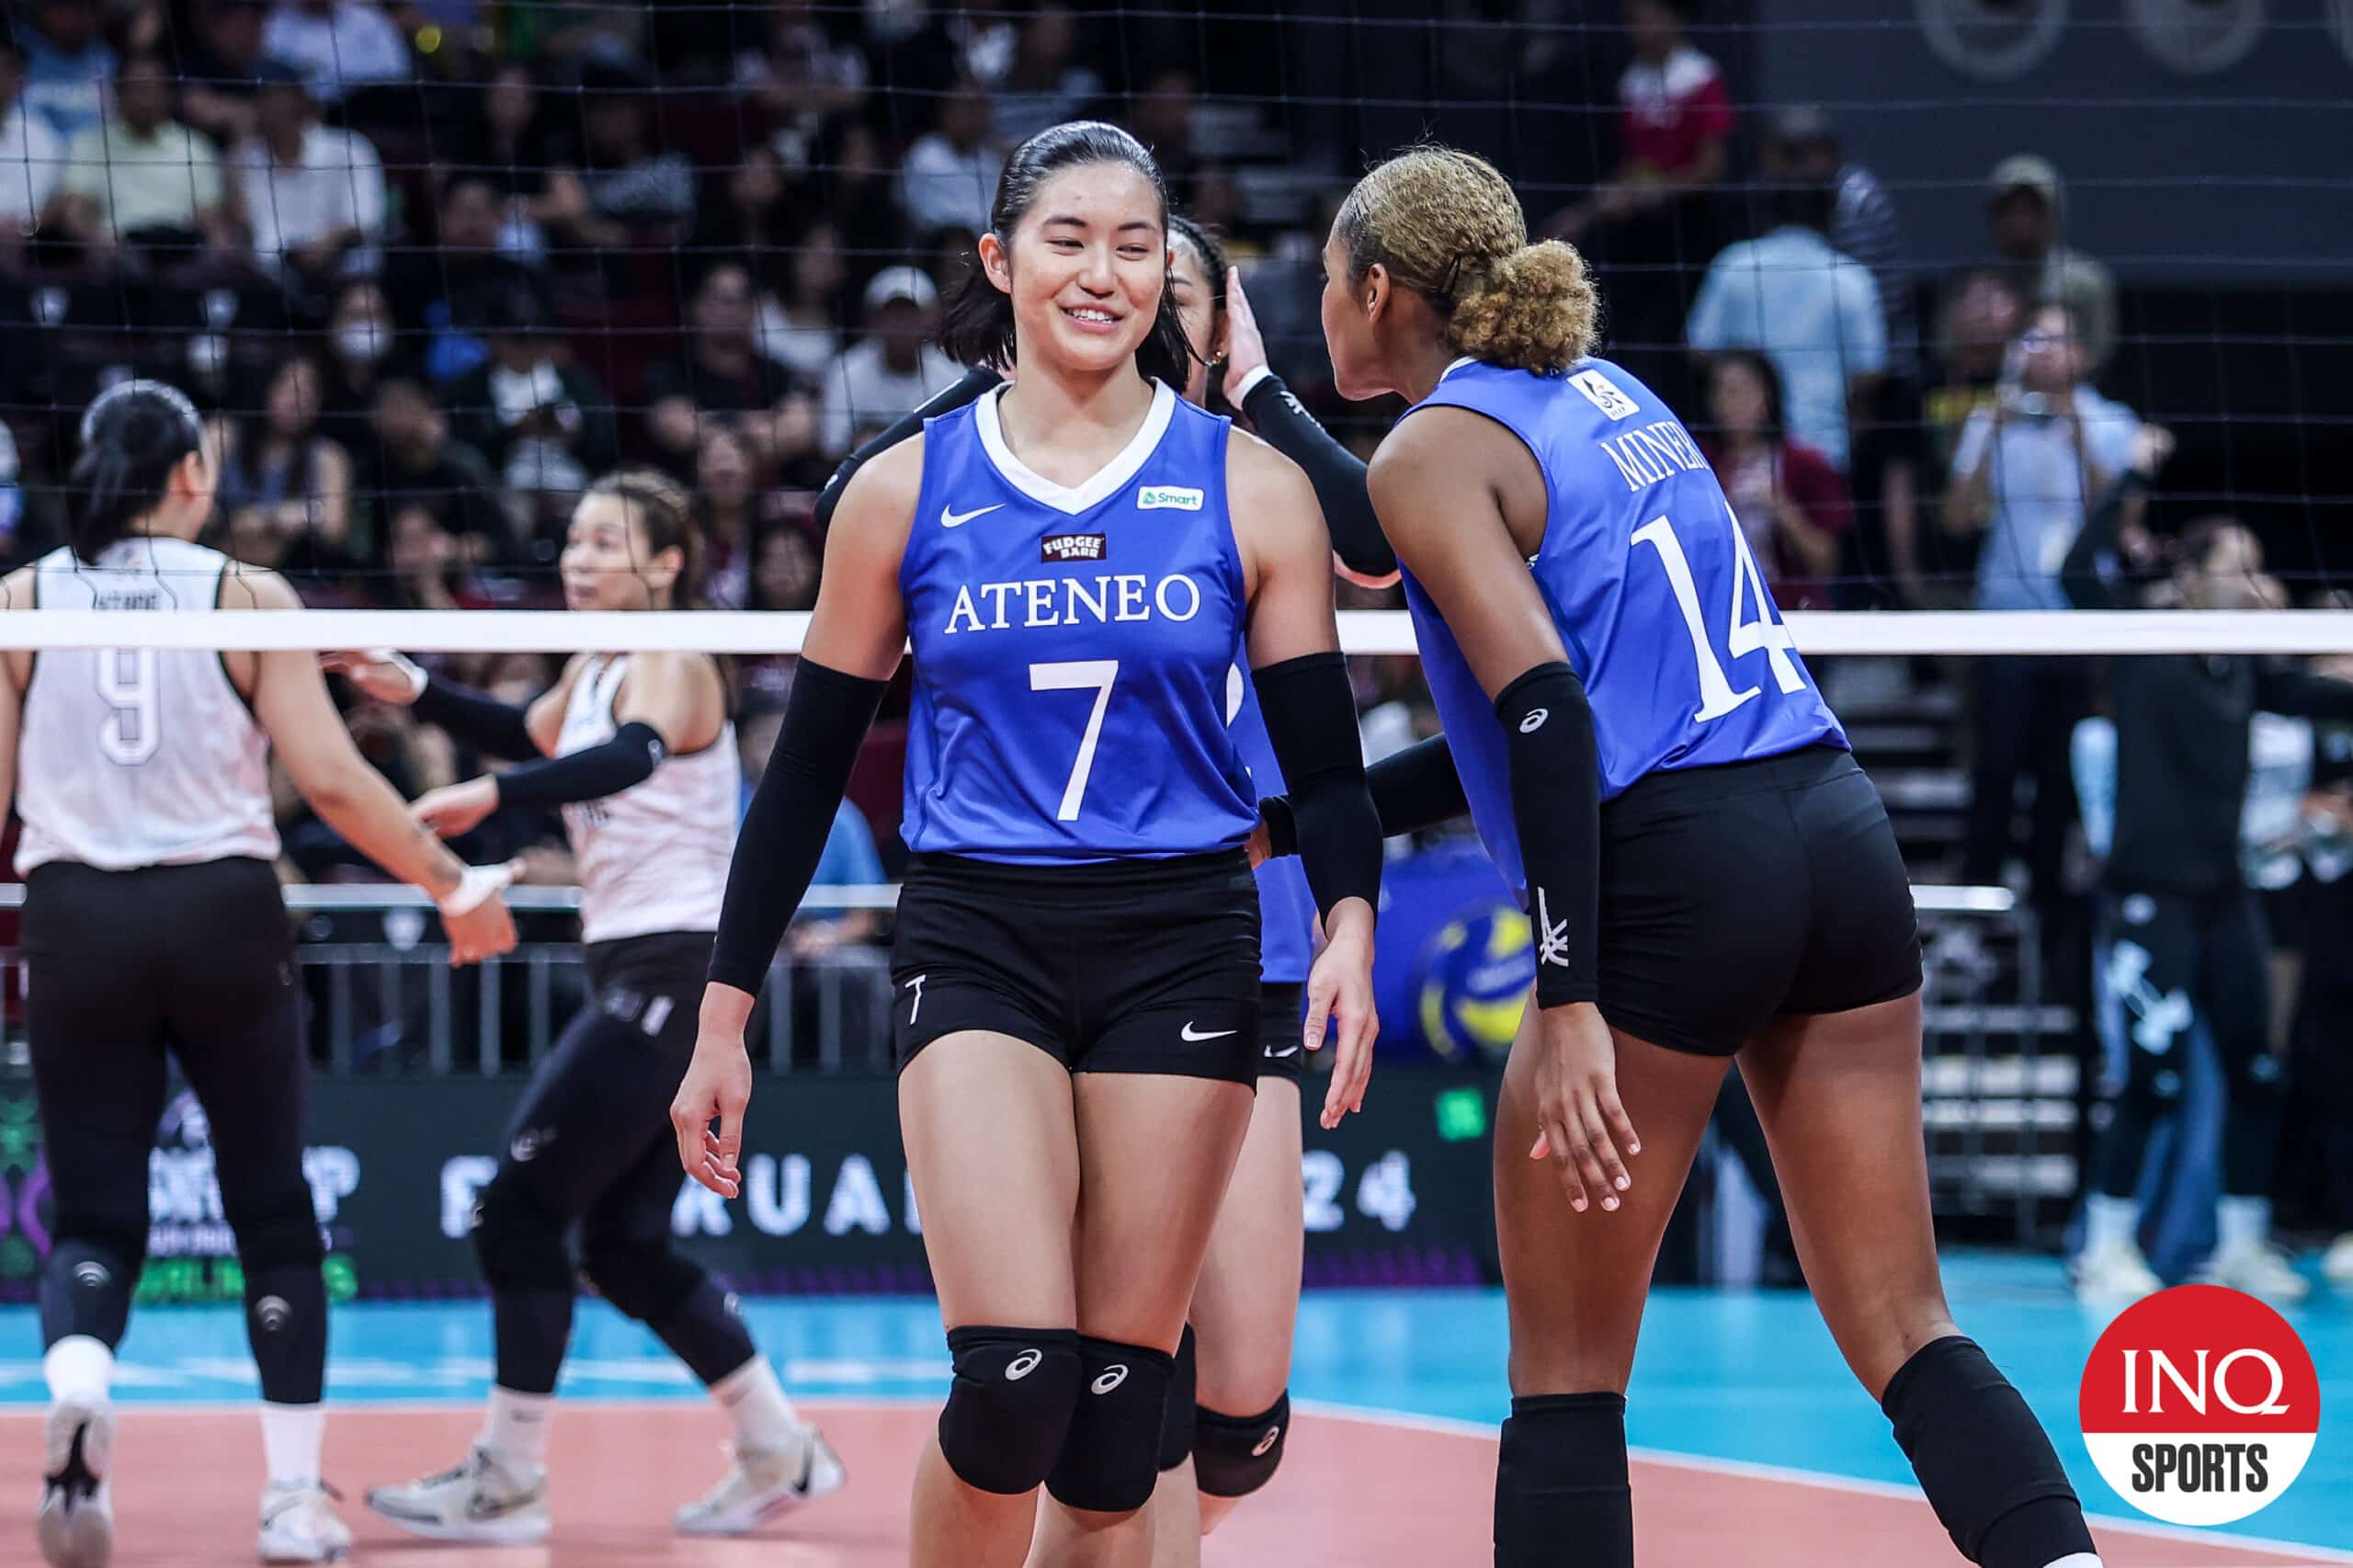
(591, 1146)
(2173, 959)
(130, 971)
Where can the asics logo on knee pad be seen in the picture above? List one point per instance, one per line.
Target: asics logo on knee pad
(93, 1275)
(1021, 1366)
(1112, 1377)
(271, 1313)
(1274, 1435)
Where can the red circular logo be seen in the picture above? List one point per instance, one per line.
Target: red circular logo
(2200, 1405)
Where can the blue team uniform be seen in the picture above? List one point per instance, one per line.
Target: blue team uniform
(1637, 527)
(1073, 649)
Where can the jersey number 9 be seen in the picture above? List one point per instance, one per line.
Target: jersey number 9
(133, 730)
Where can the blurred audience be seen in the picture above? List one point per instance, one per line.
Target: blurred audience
(2026, 210)
(314, 196)
(892, 369)
(1791, 501)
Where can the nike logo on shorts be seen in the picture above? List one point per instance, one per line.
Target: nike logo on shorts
(1286, 1051)
(952, 520)
(1189, 1033)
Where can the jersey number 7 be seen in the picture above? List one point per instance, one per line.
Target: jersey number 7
(1079, 674)
(1767, 634)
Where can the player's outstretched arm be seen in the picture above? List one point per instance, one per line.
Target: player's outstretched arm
(290, 702)
(1439, 483)
(1302, 684)
(852, 649)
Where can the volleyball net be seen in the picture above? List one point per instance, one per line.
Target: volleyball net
(433, 268)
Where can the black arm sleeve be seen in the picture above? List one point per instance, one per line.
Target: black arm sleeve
(2093, 575)
(590, 774)
(1310, 718)
(825, 721)
(1337, 472)
(494, 728)
(2282, 686)
(977, 381)
(1413, 788)
(1556, 806)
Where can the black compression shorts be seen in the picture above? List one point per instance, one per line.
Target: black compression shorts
(1126, 966)
(1731, 895)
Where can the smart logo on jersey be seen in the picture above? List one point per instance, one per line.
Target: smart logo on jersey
(1168, 497)
(1072, 547)
(2200, 1405)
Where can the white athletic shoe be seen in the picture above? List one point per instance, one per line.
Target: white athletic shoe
(2115, 1272)
(75, 1520)
(2337, 1263)
(2259, 1269)
(475, 1500)
(760, 1485)
(298, 1525)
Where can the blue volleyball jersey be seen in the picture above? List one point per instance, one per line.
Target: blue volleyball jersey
(1286, 907)
(1659, 603)
(1073, 647)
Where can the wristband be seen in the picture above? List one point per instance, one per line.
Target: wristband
(476, 886)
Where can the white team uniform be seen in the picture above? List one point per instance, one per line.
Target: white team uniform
(138, 756)
(653, 857)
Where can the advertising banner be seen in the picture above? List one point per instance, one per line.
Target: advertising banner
(1398, 1194)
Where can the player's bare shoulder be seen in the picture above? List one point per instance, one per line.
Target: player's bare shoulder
(1271, 500)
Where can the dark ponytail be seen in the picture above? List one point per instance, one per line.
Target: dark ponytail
(976, 326)
(132, 438)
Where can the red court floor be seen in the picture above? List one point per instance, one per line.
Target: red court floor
(1354, 1493)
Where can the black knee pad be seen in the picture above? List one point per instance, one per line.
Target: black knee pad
(1985, 1463)
(1235, 1455)
(1177, 1425)
(85, 1286)
(1009, 1410)
(1561, 1477)
(1110, 1460)
(645, 1282)
(517, 1241)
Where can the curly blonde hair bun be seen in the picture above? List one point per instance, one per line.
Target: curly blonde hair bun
(1449, 226)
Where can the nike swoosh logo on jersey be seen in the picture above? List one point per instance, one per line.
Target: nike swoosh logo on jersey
(1189, 1033)
(950, 520)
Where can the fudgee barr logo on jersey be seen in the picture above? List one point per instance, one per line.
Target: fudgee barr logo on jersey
(1072, 547)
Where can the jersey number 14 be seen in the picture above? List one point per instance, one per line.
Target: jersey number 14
(1765, 634)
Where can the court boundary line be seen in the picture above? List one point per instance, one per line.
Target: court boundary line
(1371, 1415)
(1828, 1480)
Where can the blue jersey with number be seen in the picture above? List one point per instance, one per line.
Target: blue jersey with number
(1073, 647)
(1286, 907)
(1659, 603)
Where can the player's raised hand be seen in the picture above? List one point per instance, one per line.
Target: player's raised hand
(1580, 1124)
(718, 1086)
(1339, 991)
(1246, 346)
(474, 917)
(379, 672)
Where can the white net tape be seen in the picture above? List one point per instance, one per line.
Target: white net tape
(1817, 633)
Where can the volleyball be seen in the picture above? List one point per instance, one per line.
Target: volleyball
(1475, 976)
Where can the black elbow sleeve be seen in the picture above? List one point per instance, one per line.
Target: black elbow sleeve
(1556, 808)
(627, 760)
(1310, 718)
(825, 721)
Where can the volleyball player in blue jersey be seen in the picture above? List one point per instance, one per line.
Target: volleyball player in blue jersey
(1229, 1407)
(1711, 874)
(1076, 560)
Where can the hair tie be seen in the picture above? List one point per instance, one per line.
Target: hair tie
(1453, 276)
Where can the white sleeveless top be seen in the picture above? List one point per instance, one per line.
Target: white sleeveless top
(138, 756)
(654, 857)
